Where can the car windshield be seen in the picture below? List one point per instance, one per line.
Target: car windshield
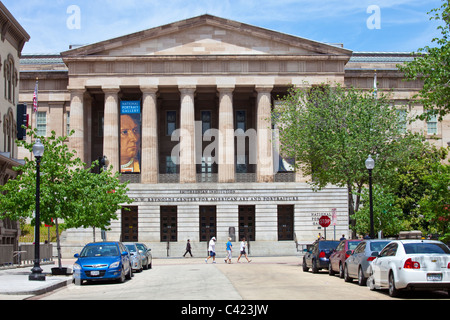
(328, 245)
(101, 250)
(422, 247)
(352, 245)
(131, 247)
(378, 246)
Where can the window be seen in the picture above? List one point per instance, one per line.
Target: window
(389, 251)
(171, 122)
(402, 120)
(432, 125)
(171, 166)
(241, 118)
(11, 79)
(67, 123)
(41, 124)
(285, 222)
(206, 121)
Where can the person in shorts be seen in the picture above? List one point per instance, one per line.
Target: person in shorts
(212, 250)
(229, 251)
(242, 250)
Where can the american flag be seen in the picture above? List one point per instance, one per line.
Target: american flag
(35, 97)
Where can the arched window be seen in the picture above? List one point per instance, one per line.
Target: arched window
(11, 79)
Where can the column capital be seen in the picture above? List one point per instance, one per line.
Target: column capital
(226, 88)
(110, 90)
(148, 89)
(264, 88)
(187, 89)
(76, 90)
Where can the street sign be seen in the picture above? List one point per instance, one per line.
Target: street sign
(324, 221)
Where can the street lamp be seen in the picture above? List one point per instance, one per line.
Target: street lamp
(370, 164)
(36, 272)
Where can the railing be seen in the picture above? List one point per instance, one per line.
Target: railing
(25, 254)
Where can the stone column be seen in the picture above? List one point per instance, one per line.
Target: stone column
(111, 127)
(264, 167)
(226, 136)
(149, 153)
(187, 135)
(77, 122)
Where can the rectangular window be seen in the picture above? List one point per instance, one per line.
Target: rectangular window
(241, 120)
(171, 166)
(171, 122)
(402, 119)
(67, 123)
(41, 124)
(206, 121)
(432, 125)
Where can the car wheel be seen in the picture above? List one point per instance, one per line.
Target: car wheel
(361, 279)
(330, 270)
(314, 268)
(146, 264)
(304, 266)
(346, 275)
(341, 271)
(393, 292)
(122, 276)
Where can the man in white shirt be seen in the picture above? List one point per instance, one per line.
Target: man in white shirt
(212, 250)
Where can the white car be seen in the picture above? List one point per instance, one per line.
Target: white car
(411, 264)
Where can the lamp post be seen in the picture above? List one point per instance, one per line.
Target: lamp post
(36, 272)
(370, 164)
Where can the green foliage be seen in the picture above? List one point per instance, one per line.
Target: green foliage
(330, 132)
(68, 190)
(432, 65)
(387, 215)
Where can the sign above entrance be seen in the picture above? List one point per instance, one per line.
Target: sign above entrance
(130, 107)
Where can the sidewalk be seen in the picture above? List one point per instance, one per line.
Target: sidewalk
(14, 283)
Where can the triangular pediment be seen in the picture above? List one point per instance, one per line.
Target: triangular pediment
(207, 35)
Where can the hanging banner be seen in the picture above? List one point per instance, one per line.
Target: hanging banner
(130, 137)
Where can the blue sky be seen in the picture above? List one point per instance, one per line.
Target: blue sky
(400, 26)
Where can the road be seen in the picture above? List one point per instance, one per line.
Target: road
(265, 278)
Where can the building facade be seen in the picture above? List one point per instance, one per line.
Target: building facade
(13, 38)
(183, 111)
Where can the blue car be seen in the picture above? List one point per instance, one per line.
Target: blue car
(102, 261)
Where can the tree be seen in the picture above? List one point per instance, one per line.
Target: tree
(432, 65)
(435, 204)
(330, 132)
(68, 189)
(387, 215)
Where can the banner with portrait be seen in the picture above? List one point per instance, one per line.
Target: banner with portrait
(130, 137)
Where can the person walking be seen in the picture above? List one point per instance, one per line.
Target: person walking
(212, 250)
(188, 249)
(229, 251)
(242, 251)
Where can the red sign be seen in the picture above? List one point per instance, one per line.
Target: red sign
(324, 221)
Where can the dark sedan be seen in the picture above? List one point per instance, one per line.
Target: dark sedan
(317, 256)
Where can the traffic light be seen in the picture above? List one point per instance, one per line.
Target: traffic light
(22, 120)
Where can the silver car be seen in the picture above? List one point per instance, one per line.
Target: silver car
(358, 264)
(146, 255)
(135, 256)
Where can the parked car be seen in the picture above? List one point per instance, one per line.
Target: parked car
(317, 255)
(411, 264)
(146, 255)
(102, 261)
(135, 256)
(338, 257)
(358, 263)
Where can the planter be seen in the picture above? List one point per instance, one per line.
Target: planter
(61, 271)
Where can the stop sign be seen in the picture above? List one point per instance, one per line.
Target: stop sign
(324, 221)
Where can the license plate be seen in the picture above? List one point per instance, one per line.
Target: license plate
(434, 277)
(95, 273)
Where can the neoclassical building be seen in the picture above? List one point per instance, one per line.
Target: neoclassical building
(183, 111)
